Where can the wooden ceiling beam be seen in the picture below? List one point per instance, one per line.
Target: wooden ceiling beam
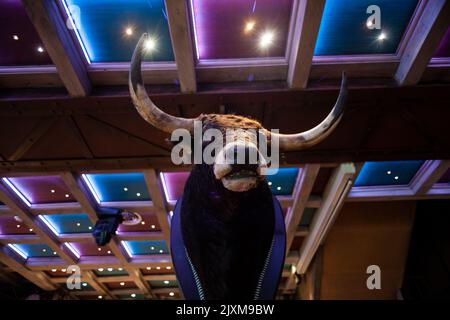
(334, 196)
(307, 24)
(423, 42)
(180, 33)
(428, 175)
(52, 29)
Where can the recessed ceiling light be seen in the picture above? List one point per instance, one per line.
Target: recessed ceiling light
(396, 177)
(63, 270)
(269, 183)
(110, 269)
(100, 269)
(109, 251)
(369, 23)
(138, 194)
(266, 39)
(31, 229)
(278, 188)
(54, 270)
(249, 26)
(149, 268)
(133, 295)
(129, 31)
(168, 267)
(54, 253)
(90, 228)
(158, 268)
(99, 249)
(67, 195)
(40, 49)
(166, 282)
(382, 36)
(152, 248)
(52, 191)
(78, 224)
(85, 284)
(153, 226)
(161, 251)
(16, 37)
(125, 189)
(44, 250)
(120, 269)
(150, 44)
(143, 222)
(18, 226)
(100, 297)
(122, 283)
(389, 172)
(171, 294)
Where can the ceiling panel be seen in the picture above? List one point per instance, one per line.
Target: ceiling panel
(107, 187)
(69, 223)
(174, 183)
(445, 178)
(387, 173)
(41, 189)
(163, 284)
(344, 29)
(283, 182)
(231, 29)
(20, 43)
(9, 225)
(149, 223)
(106, 272)
(109, 29)
(136, 248)
(89, 248)
(33, 250)
(157, 270)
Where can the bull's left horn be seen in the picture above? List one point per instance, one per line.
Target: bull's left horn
(146, 108)
(303, 140)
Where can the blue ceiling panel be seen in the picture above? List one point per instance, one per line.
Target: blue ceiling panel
(109, 29)
(344, 29)
(283, 182)
(69, 223)
(136, 248)
(108, 187)
(387, 173)
(33, 250)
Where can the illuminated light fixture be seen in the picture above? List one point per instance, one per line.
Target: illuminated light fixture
(99, 249)
(125, 189)
(152, 248)
(100, 297)
(19, 251)
(143, 222)
(120, 269)
(52, 191)
(49, 225)
(53, 270)
(138, 194)
(127, 249)
(72, 249)
(78, 224)
(249, 26)
(91, 187)
(158, 268)
(110, 269)
(293, 269)
(40, 49)
(171, 294)
(100, 269)
(166, 281)
(67, 195)
(171, 214)
(109, 251)
(16, 191)
(63, 270)
(396, 177)
(31, 229)
(149, 268)
(153, 226)
(16, 37)
(54, 253)
(161, 251)
(85, 284)
(278, 188)
(18, 226)
(44, 250)
(382, 36)
(122, 283)
(369, 24)
(150, 44)
(129, 31)
(133, 295)
(90, 228)
(266, 39)
(389, 172)
(269, 183)
(169, 268)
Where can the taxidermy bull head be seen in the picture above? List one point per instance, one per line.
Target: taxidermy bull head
(227, 212)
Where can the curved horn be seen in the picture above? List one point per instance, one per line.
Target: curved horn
(299, 141)
(146, 108)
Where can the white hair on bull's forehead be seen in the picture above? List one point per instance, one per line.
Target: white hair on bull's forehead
(234, 134)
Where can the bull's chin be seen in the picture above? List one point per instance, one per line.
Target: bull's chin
(242, 184)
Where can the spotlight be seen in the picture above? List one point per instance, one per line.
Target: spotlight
(369, 24)
(266, 39)
(129, 31)
(16, 37)
(249, 26)
(150, 45)
(40, 49)
(171, 294)
(382, 37)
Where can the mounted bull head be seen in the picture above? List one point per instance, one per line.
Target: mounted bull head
(227, 214)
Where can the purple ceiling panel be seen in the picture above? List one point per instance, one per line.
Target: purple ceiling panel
(231, 29)
(10, 226)
(20, 43)
(90, 248)
(444, 48)
(149, 223)
(42, 189)
(174, 184)
(445, 178)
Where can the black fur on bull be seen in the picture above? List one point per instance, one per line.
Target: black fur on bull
(227, 214)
